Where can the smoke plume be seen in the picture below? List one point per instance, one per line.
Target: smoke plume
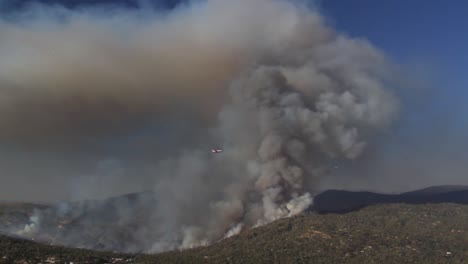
(283, 94)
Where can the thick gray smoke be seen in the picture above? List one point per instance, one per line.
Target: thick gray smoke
(280, 92)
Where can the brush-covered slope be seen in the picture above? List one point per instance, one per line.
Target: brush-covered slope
(16, 250)
(392, 233)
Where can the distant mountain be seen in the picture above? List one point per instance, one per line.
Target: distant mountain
(339, 201)
(437, 190)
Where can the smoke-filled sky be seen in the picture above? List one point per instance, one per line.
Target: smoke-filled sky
(95, 97)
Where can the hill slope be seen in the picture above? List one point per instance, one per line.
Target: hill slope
(392, 233)
(15, 250)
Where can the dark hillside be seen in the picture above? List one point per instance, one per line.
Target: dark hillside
(338, 201)
(392, 233)
(386, 229)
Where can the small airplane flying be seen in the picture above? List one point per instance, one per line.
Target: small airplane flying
(216, 150)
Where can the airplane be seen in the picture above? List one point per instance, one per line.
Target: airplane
(216, 150)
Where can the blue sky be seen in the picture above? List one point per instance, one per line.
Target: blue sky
(428, 39)
(429, 34)
(431, 30)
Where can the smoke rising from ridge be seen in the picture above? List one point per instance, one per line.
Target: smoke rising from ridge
(283, 94)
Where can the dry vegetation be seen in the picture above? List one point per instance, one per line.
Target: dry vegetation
(394, 233)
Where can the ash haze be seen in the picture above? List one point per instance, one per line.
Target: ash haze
(98, 102)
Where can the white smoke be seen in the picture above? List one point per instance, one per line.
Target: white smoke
(283, 94)
(273, 161)
(311, 97)
(31, 228)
